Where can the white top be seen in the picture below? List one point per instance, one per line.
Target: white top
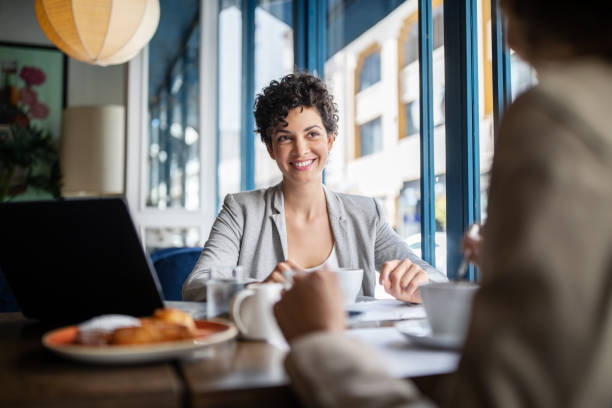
(331, 261)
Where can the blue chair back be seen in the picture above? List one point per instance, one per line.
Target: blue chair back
(8, 303)
(173, 265)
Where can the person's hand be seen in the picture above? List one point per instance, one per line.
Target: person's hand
(313, 304)
(471, 244)
(401, 279)
(277, 274)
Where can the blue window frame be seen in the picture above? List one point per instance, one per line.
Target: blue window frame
(428, 226)
(248, 89)
(462, 158)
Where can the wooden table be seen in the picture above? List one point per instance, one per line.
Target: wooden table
(32, 376)
(234, 373)
(239, 373)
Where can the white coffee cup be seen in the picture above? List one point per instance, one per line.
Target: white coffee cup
(350, 283)
(252, 311)
(448, 306)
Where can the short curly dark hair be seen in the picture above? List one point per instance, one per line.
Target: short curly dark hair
(275, 101)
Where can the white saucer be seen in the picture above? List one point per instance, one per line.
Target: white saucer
(419, 333)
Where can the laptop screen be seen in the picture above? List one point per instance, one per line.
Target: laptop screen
(69, 260)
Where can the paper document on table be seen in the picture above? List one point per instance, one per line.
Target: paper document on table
(401, 359)
(386, 309)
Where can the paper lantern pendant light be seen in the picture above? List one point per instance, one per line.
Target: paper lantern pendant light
(99, 32)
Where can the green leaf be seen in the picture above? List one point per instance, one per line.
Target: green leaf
(32, 150)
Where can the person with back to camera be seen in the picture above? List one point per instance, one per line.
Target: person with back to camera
(541, 328)
(299, 223)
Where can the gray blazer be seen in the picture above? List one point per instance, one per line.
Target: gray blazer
(250, 231)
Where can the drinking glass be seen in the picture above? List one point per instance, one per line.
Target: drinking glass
(223, 284)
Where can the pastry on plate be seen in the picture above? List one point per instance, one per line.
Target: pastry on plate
(165, 325)
(150, 332)
(98, 331)
(171, 315)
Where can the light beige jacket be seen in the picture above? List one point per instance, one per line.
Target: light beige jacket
(541, 329)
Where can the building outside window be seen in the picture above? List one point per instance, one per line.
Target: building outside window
(372, 68)
(370, 71)
(370, 136)
(393, 173)
(388, 109)
(412, 122)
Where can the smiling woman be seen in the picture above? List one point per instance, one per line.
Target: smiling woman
(301, 145)
(299, 224)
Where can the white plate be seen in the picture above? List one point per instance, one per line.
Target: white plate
(419, 333)
(215, 331)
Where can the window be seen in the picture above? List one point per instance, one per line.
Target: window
(372, 67)
(229, 98)
(370, 71)
(384, 119)
(170, 142)
(412, 121)
(412, 118)
(370, 135)
(411, 42)
(174, 125)
(409, 126)
(411, 38)
(244, 161)
(439, 134)
(273, 59)
(158, 238)
(438, 24)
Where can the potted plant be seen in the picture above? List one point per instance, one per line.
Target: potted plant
(28, 159)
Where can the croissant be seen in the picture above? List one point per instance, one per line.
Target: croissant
(176, 316)
(165, 325)
(151, 332)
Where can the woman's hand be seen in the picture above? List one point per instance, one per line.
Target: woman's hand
(313, 304)
(277, 275)
(402, 278)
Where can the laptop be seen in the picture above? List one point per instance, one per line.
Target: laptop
(69, 260)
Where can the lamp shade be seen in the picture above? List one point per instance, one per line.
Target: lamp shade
(99, 32)
(93, 150)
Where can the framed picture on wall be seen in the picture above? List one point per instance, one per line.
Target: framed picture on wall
(32, 86)
(32, 96)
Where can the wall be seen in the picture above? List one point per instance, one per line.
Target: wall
(87, 84)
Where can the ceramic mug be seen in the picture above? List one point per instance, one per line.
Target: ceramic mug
(350, 280)
(448, 306)
(252, 311)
